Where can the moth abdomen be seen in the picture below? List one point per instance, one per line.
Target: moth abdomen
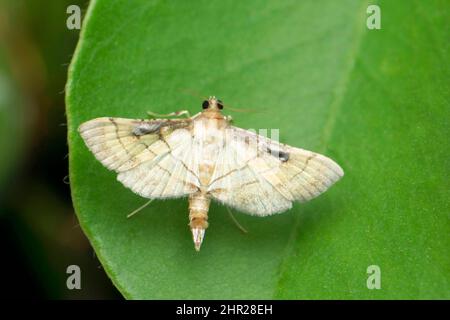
(198, 217)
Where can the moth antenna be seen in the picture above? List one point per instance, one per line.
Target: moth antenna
(227, 107)
(193, 93)
(236, 222)
(139, 209)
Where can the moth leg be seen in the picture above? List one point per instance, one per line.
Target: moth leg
(172, 114)
(240, 227)
(139, 209)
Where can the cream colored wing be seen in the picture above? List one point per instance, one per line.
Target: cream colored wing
(152, 157)
(260, 176)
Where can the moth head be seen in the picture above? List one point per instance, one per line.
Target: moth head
(212, 103)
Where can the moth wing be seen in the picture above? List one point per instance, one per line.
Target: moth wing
(151, 157)
(260, 176)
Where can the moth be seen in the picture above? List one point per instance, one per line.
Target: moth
(204, 158)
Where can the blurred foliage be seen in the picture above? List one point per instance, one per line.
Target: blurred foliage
(11, 121)
(376, 101)
(38, 227)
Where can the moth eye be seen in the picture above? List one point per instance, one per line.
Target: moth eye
(205, 104)
(219, 104)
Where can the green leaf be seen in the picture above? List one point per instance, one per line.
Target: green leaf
(376, 101)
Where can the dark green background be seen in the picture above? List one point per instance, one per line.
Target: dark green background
(39, 232)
